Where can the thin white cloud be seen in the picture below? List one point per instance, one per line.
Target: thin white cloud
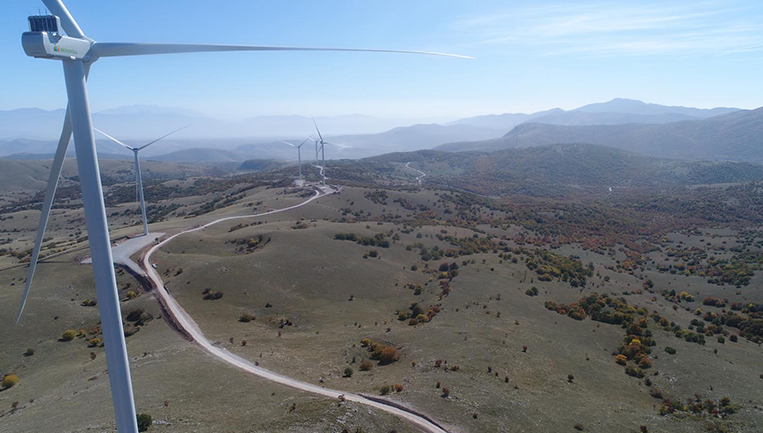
(596, 28)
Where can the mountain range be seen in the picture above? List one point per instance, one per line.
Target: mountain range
(734, 136)
(615, 112)
(632, 125)
(146, 122)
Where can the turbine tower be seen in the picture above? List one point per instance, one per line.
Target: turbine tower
(77, 53)
(299, 152)
(138, 177)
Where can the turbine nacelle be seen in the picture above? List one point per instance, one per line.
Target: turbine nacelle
(45, 41)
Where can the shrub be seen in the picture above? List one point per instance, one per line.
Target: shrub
(134, 315)
(578, 427)
(715, 302)
(68, 335)
(621, 359)
(721, 339)
(645, 363)
(445, 392)
(570, 378)
(384, 390)
(29, 352)
(655, 392)
(365, 342)
(144, 421)
(131, 294)
(734, 338)
(348, 372)
(366, 365)
(533, 291)
(670, 350)
(389, 355)
(9, 381)
(634, 371)
(211, 295)
(398, 387)
(94, 342)
(246, 318)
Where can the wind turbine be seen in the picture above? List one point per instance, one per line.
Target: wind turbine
(77, 53)
(320, 148)
(138, 177)
(299, 151)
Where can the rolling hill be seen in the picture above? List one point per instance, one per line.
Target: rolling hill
(735, 136)
(560, 169)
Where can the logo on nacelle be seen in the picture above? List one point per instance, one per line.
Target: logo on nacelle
(58, 49)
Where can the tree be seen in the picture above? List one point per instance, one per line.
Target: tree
(348, 372)
(144, 421)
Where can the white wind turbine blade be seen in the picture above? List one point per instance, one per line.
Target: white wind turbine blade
(114, 139)
(306, 139)
(316, 128)
(163, 136)
(118, 49)
(47, 204)
(286, 142)
(56, 7)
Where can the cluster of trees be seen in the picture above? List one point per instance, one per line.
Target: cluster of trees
(677, 298)
(417, 313)
(550, 266)
(638, 339)
(378, 196)
(384, 353)
(721, 408)
(378, 240)
(749, 323)
(468, 245)
(250, 244)
(736, 270)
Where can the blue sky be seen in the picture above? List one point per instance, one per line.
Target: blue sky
(529, 56)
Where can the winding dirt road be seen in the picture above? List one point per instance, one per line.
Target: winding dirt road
(190, 328)
(418, 178)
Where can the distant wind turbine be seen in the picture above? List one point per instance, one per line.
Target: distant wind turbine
(77, 53)
(299, 151)
(138, 177)
(321, 148)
